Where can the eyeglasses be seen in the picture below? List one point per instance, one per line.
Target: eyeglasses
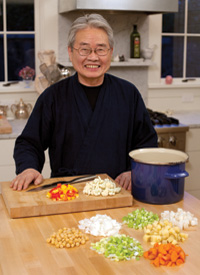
(85, 51)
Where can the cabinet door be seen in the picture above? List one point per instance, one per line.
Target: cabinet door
(7, 164)
(192, 166)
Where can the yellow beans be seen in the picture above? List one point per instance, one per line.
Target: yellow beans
(67, 237)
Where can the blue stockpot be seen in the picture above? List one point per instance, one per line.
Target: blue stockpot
(158, 183)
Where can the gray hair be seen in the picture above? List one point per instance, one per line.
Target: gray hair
(93, 21)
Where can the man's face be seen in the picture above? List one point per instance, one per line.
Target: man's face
(91, 68)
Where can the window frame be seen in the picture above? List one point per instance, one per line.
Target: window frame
(4, 32)
(155, 38)
(46, 37)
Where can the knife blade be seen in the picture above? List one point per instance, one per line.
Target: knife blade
(54, 184)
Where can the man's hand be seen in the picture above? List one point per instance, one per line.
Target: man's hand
(23, 180)
(124, 179)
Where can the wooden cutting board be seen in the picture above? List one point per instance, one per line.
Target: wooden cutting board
(5, 127)
(22, 204)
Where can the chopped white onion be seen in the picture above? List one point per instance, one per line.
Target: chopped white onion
(100, 225)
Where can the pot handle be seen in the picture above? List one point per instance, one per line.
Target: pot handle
(181, 174)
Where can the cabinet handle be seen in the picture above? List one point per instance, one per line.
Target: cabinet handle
(172, 140)
(160, 141)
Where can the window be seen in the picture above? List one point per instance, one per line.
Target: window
(17, 37)
(181, 41)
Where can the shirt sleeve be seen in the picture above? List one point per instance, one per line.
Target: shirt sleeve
(144, 132)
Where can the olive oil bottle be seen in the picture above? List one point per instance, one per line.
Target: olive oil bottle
(135, 43)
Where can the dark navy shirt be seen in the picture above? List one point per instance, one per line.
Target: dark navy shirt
(80, 140)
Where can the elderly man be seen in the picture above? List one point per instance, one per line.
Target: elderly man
(90, 121)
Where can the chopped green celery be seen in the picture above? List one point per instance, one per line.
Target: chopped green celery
(127, 248)
(138, 219)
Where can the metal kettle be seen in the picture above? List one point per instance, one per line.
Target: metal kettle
(21, 110)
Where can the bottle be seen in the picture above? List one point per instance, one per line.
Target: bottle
(135, 43)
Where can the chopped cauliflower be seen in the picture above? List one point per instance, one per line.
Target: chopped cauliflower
(182, 219)
(100, 187)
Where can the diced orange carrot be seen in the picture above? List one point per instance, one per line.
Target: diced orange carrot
(165, 254)
(146, 254)
(154, 251)
(179, 261)
(162, 262)
(156, 262)
(151, 256)
(166, 257)
(182, 255)
(170, 251)
(174, 256)
(163, 251)
(178, 249)
(167, 246)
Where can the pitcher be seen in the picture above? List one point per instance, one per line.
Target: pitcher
(21, 110)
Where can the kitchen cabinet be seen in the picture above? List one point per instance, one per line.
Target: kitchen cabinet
(192, 119)
(7, 166)
(192, 167)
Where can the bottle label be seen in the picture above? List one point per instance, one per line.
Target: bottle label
(136, 47)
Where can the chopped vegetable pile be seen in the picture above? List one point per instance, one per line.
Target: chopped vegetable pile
(119, 248)
(67, 237)
(138, 219)
(163, 232)
(100, 225)
(165, 254)
(100, 187)
(63, 192)
(182, 219)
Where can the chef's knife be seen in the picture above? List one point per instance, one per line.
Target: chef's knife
(54, 184)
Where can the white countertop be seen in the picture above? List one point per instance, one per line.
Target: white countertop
(17, 127)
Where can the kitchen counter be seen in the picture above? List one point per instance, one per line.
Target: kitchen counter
(17, 127)
(24, 249)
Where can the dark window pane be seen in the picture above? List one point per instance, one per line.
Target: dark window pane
(172, 56)
(193, 16)
(1, 59)
(20, 15)
(174, 22)
(20, 54)
(193, 57)
(1, 15)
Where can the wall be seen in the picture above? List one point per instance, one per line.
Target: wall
(182, 97)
